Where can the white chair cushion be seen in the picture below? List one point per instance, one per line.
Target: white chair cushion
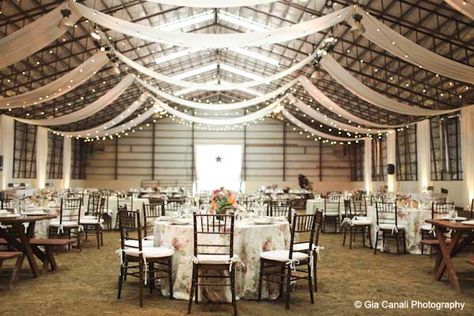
(331, 213)
(134, 243)
(282, 255)
(150, 252)
(67, 224)
(426, 226)
(361, 221)
(149, 238)
(213, 259)
(391, 227)
(91, 221)
(302, 246)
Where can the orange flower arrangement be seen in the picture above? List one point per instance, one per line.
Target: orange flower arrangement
(222, 200)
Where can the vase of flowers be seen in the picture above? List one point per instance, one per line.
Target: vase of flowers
(222, 201)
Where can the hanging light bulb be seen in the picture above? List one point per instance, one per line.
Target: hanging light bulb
(316, 74)
(65, 22)
(357, 27)
(115, 70)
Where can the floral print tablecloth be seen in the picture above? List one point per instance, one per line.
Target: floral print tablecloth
(411, 219)
(249, 241)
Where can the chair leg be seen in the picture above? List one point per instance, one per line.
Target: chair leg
(369, 234)
(120, 281)
(422, 246)
(363, 236)
(232, 285)
(260, 280)
(376, 243)
(345, 233)
(323, 227)
(191, 290)
(315, 270)
(404, 239)
(141, 265)
(282, 280)
(97, 233)
(397, 238)
(350, 236)
(310, 282)
(288, 286)
(151, 277)
(170, 276)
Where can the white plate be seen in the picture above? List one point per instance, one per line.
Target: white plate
(166, 218)
(181, 222)
(263, 221)
(469, 222)
(457, 219)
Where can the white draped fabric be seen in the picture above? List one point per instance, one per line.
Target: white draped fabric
(212, 3)
(314, 132)
(467, 147)
(308, 110)
(7, 133)
(348, 81)
(391, 159)
(67, 156)
(41, 156)
(423, 154)
(58, 87)
(217, 106)
(274, 107)
(33, 37)
(398, 45)
(213, 87)
(202, 40)
(322, 99)
(111, 123)
(466, 7)
(90, 109)
(368, 165)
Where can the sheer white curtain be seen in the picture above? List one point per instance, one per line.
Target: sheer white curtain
(423, 153)
(391, 159)
(41, 156)
(368, 165)
(67, 155)
(202, 40)
(409, 51)
(212, 3)
(356, 87)
(7, 134)
(33, 37)
(58, 87)
(467, 147)
(463, 6)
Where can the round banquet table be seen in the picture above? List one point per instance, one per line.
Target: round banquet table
(249, 241)
(412, 219)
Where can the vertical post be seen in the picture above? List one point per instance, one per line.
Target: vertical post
(116, 159)
(244, 176)
(153, 144)
(284, 152)
(192, 154)
(320, 161)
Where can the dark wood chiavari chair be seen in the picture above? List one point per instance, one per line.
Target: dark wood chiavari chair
(123, 201)
(213, 251)
(357, 221)
(279, 208)
(136, 257)
(93, 220)
(69, 220)
(173, 204)
(387, 223)
(438, 209)
(7, 204)
(332, 209)
(150, 213)
(286, 262)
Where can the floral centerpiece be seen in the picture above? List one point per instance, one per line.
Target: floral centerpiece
(222, 200)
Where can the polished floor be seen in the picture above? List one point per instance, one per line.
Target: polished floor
(86, 285)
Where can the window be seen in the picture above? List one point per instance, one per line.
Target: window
(406, 154)
(24, 162)
(55, 157)
(446, 161)
(80, 152)
(356, 161)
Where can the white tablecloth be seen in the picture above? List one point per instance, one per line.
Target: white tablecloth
(250, 240)
(411, 219)
(318, 203)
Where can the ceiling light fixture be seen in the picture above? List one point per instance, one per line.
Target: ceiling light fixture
(357, 27)
(65, 22)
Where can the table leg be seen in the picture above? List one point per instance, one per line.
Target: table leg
(447, 263)
(25, 241)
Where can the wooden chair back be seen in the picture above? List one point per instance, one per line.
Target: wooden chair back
(386, 213)
(129, 227)
(357, 207)
(70, 210)
(219, 229)
(441, 209)
(279, 208)
(150, 213)
(303, 230)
